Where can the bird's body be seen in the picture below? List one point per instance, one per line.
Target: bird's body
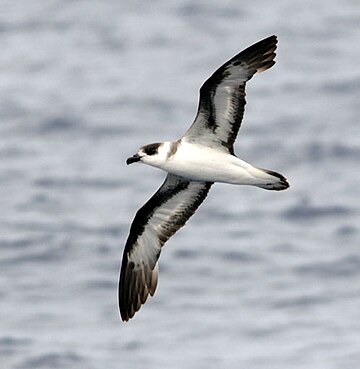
(207, 164)
(202, 156)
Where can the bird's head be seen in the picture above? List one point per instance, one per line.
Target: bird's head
(153, 154)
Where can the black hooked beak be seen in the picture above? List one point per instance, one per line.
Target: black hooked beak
(133, 159)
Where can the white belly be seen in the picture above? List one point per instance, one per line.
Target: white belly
(201, 163)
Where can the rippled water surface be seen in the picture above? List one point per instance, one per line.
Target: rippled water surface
(257, 279)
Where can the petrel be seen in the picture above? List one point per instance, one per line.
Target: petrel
(202, 156)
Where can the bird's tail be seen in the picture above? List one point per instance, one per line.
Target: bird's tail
(272, 181)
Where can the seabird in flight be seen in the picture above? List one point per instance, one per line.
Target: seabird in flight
(202, 156)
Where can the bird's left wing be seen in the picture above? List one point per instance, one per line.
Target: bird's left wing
(222, 96)
(167, 211)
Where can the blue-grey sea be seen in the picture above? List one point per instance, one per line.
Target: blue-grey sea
(257, 279)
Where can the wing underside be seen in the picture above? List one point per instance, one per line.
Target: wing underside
(166, 212)
(222, 96)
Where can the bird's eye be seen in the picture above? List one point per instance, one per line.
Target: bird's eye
(151, 149)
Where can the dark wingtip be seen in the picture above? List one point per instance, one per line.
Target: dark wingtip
(259, 56)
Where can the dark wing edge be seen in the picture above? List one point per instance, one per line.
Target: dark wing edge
(222, 96)
(165, 213)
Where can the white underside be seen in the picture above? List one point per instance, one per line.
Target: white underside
(201, 163)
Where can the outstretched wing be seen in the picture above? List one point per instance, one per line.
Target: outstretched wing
(167, 211)
(222, 96)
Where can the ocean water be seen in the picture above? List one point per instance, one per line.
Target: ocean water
(257, 279)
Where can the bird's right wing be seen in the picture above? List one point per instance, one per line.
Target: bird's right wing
(167, 211)
(222, 96)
